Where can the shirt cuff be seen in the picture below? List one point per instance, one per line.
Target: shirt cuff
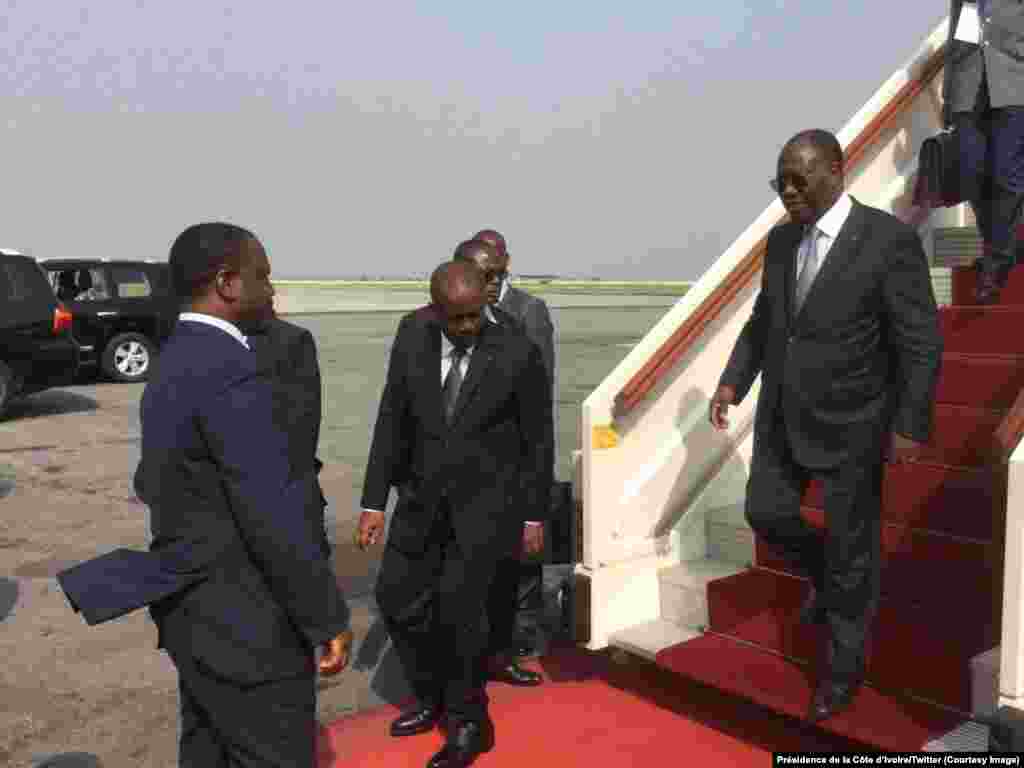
(380, 511)
(533, 522)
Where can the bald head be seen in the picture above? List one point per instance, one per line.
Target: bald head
(459, 292)
(457, 281)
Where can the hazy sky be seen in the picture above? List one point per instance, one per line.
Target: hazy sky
(623, 140)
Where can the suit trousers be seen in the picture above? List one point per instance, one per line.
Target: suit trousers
(434, 606)
(513, 604)
(992, 161)
(844, 565)
(227, 725)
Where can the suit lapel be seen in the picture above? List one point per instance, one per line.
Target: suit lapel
(513, 303)
(839, 255)
(479, 362)
(429, 366)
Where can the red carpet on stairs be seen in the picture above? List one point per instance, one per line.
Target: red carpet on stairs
(941, 560)
(594, 713)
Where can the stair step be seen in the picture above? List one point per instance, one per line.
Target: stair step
(962, 435)
(982, 330)
(989, 381)
(649, 639)
(960, 501)
(683, 590)
(912, 648)
(887, 722)
(964, 278)
(918, 566)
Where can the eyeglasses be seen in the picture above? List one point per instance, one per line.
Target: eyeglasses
(779, 183)
(496, 277)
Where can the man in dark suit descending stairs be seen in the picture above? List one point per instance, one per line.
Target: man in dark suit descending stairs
(845, 335)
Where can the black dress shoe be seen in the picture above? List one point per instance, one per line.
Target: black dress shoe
(465, 742)
(524, 651)
(831, 698)
(513, 674)
(419, 720)
(813, 609)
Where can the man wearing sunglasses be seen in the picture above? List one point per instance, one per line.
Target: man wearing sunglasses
(845, 336)
(515, 597)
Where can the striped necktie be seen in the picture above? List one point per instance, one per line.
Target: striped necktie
(809, 270)
(452, 384)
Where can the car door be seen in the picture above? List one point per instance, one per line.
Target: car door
(93, 310)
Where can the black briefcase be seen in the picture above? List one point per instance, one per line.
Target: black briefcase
(939, 179)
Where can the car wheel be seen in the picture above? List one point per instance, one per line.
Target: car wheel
(6, 387)
(128, 357)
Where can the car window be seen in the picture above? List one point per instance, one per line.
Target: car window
(91, 285)
(17, 286)
(131, 282)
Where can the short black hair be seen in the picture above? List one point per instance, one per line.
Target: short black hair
(824, 141)
(201, 251)
(467, 250)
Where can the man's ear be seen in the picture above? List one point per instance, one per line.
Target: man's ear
(228, 285)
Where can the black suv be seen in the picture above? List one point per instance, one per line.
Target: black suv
(123, 311)
(36, 348)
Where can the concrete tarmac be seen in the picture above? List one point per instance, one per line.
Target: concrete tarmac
(77, 696)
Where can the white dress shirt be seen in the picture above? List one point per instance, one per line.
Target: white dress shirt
(828, 227)
(229, 328)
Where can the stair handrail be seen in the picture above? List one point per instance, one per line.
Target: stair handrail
(1010, 430)
(680, 342)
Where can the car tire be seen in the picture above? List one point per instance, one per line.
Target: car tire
(6, 387)
(128, 357)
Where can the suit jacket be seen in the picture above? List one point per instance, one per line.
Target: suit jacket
(226, 508)
(495, 461)
(290, 352)
(533, 316)
(863, 354)
(1000, 62)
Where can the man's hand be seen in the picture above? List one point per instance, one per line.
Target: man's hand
(533, 539)
(370, 530)
(723, 398)
(903, 449)
(336, 654)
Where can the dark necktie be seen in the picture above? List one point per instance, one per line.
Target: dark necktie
(452, 384)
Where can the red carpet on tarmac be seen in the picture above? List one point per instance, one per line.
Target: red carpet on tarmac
(593, 712)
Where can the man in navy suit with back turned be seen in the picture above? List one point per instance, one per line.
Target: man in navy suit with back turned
(226, 504)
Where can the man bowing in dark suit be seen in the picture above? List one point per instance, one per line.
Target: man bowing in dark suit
(845, 336)
(464, 435)
(227, 504)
